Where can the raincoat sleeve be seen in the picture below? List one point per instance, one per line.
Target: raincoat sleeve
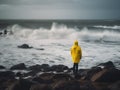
(80, 52)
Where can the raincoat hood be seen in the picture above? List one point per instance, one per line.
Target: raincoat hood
(76, 43)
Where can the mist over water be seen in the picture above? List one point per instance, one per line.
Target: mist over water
(97, 43)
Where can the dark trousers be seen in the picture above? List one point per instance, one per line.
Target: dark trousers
(75, 68)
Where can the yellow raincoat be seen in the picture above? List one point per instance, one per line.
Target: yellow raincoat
(76, 52)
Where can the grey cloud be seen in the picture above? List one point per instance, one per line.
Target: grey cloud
(64, 9)
(70, 4)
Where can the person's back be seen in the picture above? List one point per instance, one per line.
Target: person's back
(76, 54)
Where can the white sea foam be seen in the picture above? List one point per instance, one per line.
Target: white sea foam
(108, 27)
(63, 32)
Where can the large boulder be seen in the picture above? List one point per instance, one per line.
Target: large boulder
(20, 66)
(107, 75)
(43, 67)
(35, 67)
(108, 64)
(45, 78)
(59, 68)
(2, 67)
(25, 46)
(88, 73)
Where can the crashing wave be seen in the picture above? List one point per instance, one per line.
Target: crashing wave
(61, 31)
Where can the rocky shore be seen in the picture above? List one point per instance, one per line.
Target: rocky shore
(59, 77)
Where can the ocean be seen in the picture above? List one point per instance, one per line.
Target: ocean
(99, 40)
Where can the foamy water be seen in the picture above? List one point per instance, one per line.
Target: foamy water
(97, 46)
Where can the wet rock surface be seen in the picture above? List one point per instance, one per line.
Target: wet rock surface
(7, 75)
(20, 66)
(2, 67)
(45, 77)
(25, 46)
(107, 75)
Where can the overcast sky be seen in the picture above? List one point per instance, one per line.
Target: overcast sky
(59, 9)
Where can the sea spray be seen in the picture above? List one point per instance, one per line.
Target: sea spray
(61, 31)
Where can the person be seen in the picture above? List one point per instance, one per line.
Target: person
(5, 32)
(76, 54)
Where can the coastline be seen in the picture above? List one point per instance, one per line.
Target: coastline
(104, 76)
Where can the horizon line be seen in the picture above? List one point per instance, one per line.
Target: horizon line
(63, 19)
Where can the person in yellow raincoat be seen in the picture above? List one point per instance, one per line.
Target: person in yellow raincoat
(76, 54)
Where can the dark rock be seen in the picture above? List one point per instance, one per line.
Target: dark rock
(21, 84)
(45, 78)
(41, 87)
(107, 75)
(35, 67)
(67, 85)
(2, 67)
(87, 74)
(31, 73)
(58, 77)
(7, 75)
(40, 49)
(20, 66)
(45, 67)
(108, 64)
(25, 46)
(59, 68)
(114, 86)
